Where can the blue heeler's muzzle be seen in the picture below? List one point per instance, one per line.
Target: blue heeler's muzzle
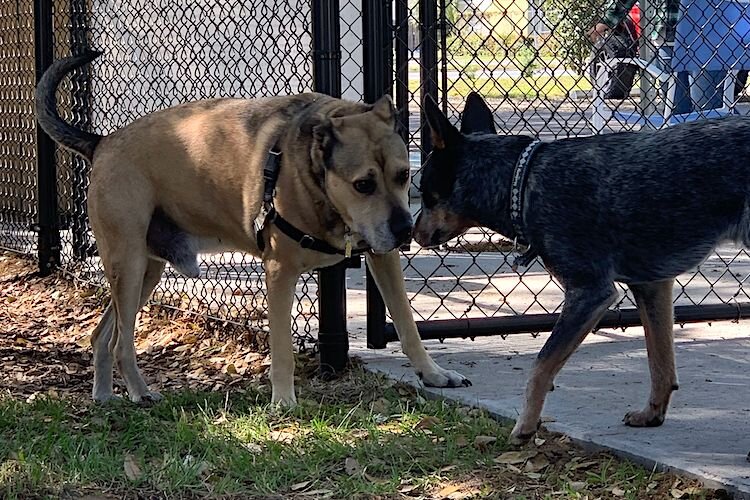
(400, 223)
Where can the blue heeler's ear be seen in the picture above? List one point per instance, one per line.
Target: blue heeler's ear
(441, 130)
(477, 116)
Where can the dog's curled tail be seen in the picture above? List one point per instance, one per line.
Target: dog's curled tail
(60, 131)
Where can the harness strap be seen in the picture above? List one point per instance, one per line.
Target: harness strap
(270, 177)
(271, 174)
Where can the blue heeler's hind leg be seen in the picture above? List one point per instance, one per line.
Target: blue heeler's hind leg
(583, 309)
(654, 302)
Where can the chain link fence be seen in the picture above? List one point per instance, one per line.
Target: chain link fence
(18, 197)
(156, 54)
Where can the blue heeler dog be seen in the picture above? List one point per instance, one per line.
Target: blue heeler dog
(595, 213)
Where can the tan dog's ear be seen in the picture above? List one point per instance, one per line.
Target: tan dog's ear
(383, 109)
(324, 139)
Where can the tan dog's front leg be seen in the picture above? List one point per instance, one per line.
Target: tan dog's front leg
(281, 283)
(386, 269)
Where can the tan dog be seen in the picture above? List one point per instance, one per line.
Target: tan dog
(189, 179)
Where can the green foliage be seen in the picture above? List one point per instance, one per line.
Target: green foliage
(571, 20)
(527, 58)
(475, 45)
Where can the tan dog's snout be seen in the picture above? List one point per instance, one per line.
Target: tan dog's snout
(401, 224)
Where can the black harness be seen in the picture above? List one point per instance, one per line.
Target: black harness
(270, 177)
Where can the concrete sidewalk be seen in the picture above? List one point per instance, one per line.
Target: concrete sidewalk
(707, 431)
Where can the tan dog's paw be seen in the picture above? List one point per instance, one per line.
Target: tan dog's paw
(644, 418)
(443, 378)
(281, 400)
(523, 432)
(520, 436)
(105, 398)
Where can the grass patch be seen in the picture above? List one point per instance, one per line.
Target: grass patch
(535, 87)
(360, 437)
(471, 63)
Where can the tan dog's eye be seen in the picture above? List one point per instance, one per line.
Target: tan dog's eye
(365, 186)
(402, 177)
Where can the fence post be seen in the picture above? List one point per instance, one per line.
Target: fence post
(377, 48)
(81, 111)
(428, 61)
(48, 243)
(333, 338)
(401, 32)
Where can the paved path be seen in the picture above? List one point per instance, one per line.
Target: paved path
(706, 434)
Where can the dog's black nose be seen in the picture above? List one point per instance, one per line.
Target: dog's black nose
(436, 238)
(400, 224)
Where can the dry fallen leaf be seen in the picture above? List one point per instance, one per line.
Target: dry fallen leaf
(539, 441)
(407, 488)
(132, 470)
(317, 493)
(484, 441)
(300, 486)
(515, 457)
(281, 436)
(460, 495)
(677, 493)
(581, 465)
(375, 480)
(577, 485)
(694, 491)
(380, 406)
(451, 488)
(618, 492)
(536, 464)
(427, 422)
(351, 466)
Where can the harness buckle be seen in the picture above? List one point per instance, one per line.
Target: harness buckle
(306, 241)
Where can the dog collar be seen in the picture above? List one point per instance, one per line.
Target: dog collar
(517, 188)
(270, 176)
